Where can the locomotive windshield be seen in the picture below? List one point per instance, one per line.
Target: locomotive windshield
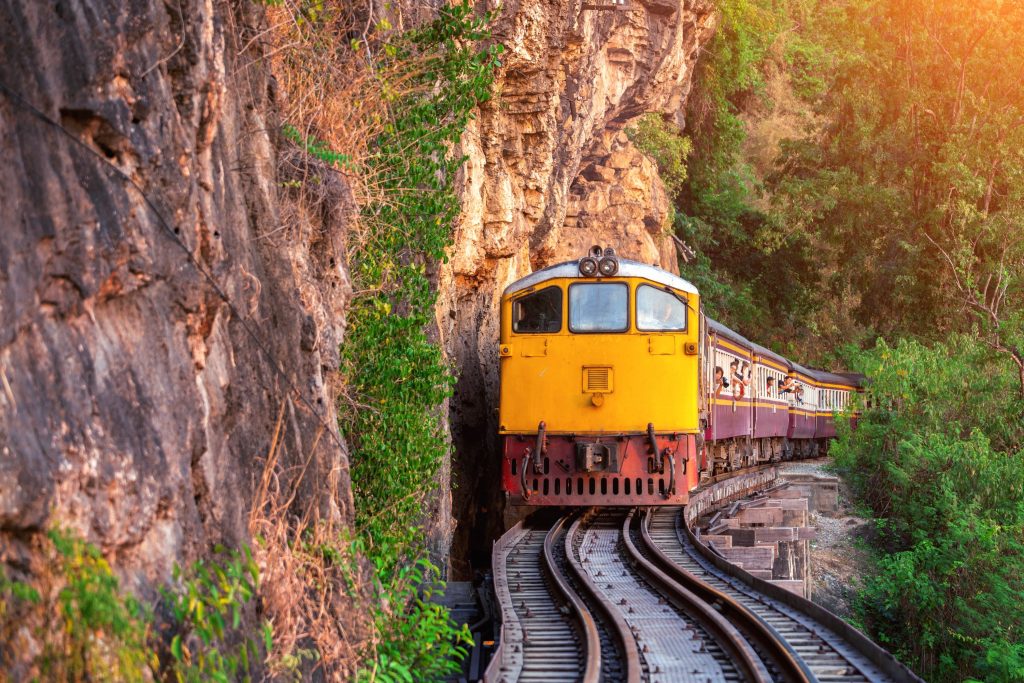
(599, 307)
(538, 312)
(658, 310)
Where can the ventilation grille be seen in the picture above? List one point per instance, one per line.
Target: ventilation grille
(597, 380)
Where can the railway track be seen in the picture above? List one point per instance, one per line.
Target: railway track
(549, 634)
(808, 649)
(618, 594)
(582, 603)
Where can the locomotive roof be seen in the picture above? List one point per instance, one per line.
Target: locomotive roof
(627, 268)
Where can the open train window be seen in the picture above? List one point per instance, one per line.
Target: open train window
(658, 310)
(599, 307)
(539, 312)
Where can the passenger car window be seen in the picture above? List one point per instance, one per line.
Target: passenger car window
(658, 310)
(599, 307)
(538, 312)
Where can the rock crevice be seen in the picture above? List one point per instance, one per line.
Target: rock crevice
(550, 172)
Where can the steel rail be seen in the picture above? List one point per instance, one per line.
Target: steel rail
(626, 644)
(763, 635)
(727, 636)
(825, 635)
(539, 640)
(507, 661)
(592, 663)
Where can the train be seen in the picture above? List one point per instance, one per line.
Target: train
(617, 389)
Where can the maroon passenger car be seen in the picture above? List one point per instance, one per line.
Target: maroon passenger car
(771, 409)
(728, 381)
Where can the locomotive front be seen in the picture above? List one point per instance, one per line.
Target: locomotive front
(599, 384)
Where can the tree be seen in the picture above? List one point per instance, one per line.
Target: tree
(911, 189)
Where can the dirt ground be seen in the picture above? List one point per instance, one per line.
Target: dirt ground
(837, 562)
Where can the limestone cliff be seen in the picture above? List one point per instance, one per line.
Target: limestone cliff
(166, 302)
(163, 305)
(551, 172)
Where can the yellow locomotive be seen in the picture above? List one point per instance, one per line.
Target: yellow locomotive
(615, 389)
(599, 384)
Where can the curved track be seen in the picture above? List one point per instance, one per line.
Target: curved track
(674, 636)
(798, 646)
(547, 633)
(619, 594)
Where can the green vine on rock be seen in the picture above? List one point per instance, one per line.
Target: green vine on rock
(396, 376)
(395, 373)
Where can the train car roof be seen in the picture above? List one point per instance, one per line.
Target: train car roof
(856, 378)
(825, 377)
(723, 331)
(836, 378)
(627, 268)
(806, 372)
(768, 353)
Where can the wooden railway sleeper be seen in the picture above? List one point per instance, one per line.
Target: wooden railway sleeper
(592, 656)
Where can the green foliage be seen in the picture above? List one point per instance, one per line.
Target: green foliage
(103, 635)
(13, 592)
(900, 169)
(911, 184)
(207, 602)
(418, 641)
(937, 457)
(742, 249)
(395, 373)
(666, 144)
(727, 76)
(806, 64)
(396, 377)
(317, 148)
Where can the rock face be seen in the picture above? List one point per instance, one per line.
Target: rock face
(169, 311)
(162, 309)
(550, 172)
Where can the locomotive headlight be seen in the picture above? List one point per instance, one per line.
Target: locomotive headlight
(608, 266)
(588, 266)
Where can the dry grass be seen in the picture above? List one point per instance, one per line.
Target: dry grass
(338, 78)
(313, 587)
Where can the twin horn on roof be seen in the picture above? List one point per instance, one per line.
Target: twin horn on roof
(600, 262)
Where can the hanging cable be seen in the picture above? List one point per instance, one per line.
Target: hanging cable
(24, 104)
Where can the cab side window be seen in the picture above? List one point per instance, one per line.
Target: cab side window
(540, 312)
(658, 310)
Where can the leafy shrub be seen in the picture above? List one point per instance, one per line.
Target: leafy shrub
(396, 377)
(666, 144)
(14, 592)
(937, 457)
(207, 604)
(418, 641)
(395, 374)
(101, 635)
